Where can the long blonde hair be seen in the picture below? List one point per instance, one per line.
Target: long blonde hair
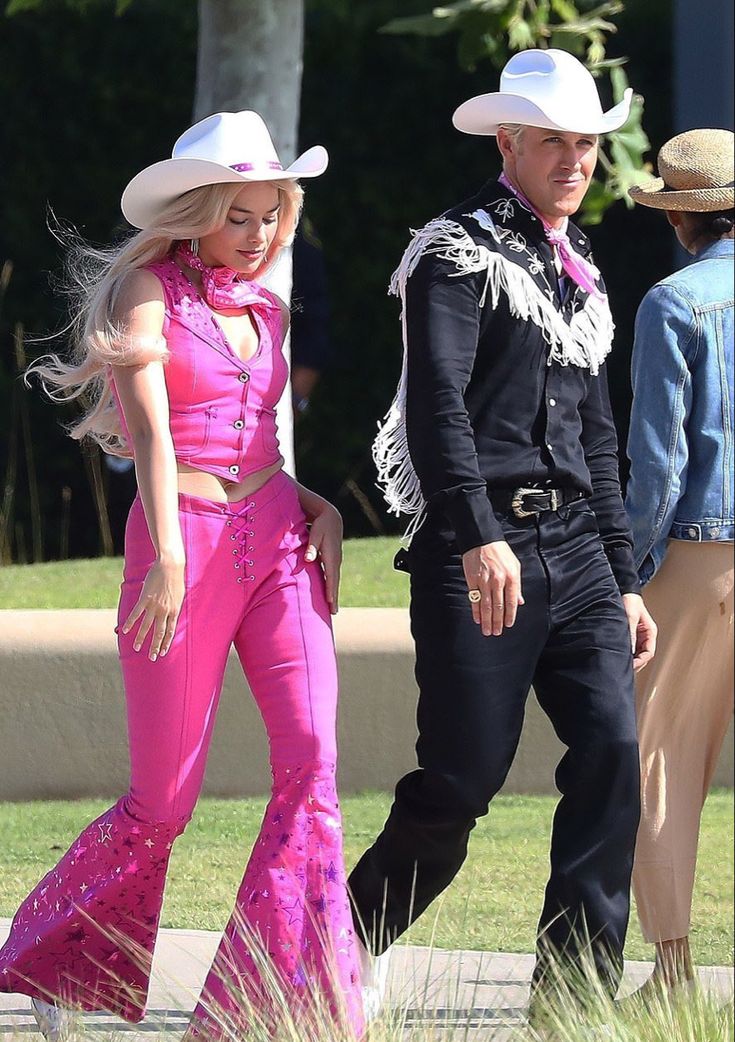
(95, 278)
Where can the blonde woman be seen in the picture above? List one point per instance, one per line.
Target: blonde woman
(179, 352)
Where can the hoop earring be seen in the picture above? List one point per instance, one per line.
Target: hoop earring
(194, 246)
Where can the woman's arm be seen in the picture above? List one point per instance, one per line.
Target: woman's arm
(144, 400)
(662, 400)
(325, 539)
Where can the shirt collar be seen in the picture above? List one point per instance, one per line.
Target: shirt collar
(525, 221)
(720, 248)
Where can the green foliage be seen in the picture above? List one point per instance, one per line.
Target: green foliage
(495, 29)
(82, 7)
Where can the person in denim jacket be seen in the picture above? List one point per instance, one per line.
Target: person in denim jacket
(680, 503)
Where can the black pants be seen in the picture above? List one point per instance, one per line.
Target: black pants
(571, 642)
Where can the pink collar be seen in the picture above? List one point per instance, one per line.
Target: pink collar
(578, 268)
(223, 287)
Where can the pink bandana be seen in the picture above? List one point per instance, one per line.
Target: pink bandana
(579, 270)
(225, 288)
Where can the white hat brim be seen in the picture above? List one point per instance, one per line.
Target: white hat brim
(159, 184)
(485, 113)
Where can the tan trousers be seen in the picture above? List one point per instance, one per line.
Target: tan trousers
(685, 701)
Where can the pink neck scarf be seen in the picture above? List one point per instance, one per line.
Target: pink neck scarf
(222, 287)
(579, 270)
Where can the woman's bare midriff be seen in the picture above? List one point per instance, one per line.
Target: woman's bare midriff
(208, 486)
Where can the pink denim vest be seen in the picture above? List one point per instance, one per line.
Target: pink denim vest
(222, 410)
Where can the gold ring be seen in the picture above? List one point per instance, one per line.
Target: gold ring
(474, 596)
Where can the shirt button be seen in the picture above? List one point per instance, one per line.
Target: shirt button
(552, 401)
(243, 378)
(238, 425)
(234, 469)
(549, 447)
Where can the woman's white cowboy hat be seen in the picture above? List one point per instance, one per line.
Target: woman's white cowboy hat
(225, 147)
(548, 88)
(696, 174)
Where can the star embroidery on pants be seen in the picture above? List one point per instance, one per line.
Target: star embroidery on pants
(294, 911)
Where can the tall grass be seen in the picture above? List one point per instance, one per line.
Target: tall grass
(575, 1007)
(701, 1018)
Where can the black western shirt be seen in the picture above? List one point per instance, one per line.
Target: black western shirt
(500, 395)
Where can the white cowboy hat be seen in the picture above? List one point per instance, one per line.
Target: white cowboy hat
(225, 147)
(548, 88)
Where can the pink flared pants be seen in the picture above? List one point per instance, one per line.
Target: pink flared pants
(87, 931)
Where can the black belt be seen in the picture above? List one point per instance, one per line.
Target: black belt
(524, 502)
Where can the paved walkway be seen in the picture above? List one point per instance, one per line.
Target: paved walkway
(483, 993)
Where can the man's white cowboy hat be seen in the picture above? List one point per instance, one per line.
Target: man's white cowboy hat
(225, 147)
(548, 88)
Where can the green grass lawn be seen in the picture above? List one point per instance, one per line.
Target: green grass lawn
(368, 580)
(493, 905)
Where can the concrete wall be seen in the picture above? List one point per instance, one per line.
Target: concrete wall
(63, 725)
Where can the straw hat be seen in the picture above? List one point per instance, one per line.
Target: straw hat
(543, 88)
(225, 147)
(696, 173)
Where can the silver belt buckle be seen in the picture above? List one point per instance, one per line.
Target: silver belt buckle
(555, 499)
(516, 502)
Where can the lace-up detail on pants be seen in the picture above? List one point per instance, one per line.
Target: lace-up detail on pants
(242, 535)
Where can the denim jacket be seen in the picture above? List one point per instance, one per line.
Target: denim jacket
(681, 426)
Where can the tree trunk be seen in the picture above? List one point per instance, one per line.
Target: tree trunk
(250, 56)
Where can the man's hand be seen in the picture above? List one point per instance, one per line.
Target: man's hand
(495, 571)
(643, 630)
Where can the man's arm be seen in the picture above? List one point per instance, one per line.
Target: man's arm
(442, 314)
(600, 444)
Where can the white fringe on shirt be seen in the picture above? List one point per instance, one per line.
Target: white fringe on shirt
(584, 342)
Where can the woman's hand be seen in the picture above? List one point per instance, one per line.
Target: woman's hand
(325, 542)
(159, 603)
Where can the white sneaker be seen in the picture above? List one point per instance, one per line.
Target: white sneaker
(374, 971)
(54, 1021)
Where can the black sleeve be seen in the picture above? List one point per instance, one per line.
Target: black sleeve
(442, 314)
(600, 444)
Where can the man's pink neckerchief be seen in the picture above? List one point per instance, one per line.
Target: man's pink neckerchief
(579, 270)
(223, 287)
